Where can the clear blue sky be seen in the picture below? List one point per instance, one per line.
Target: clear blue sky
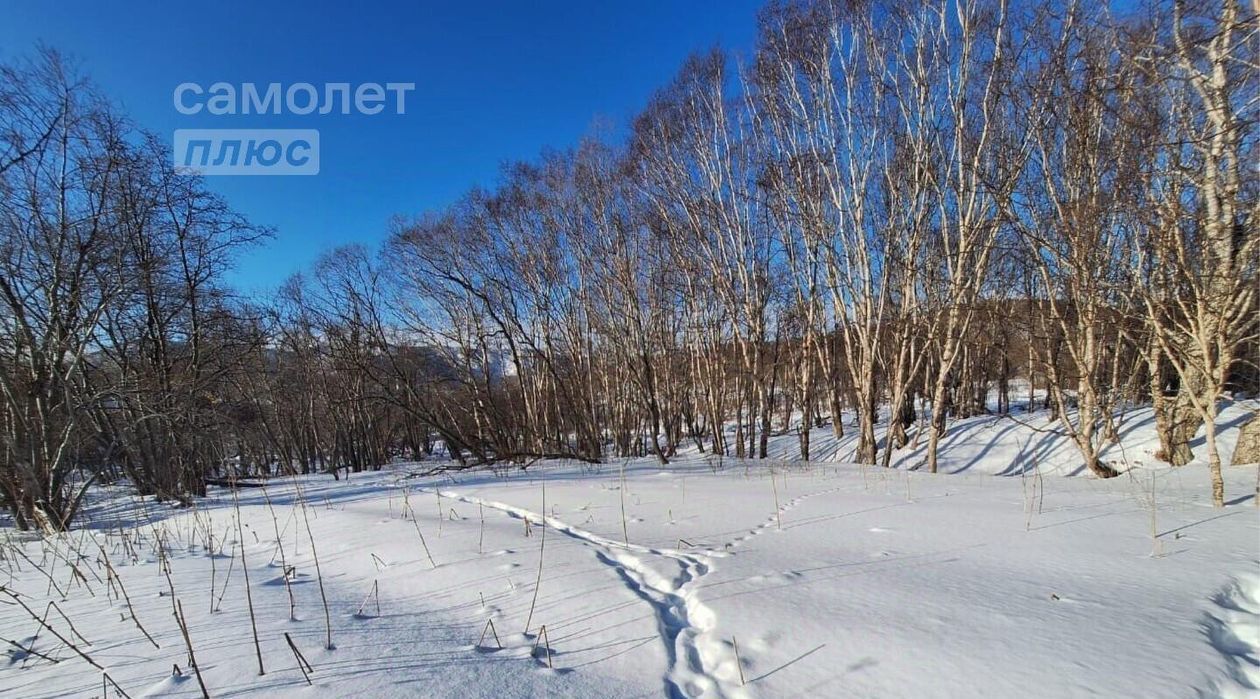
(495, 81)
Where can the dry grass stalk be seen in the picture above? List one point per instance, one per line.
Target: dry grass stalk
(249, 596)
(51, 630)
(778, 518)
(303, 665)
(319, 577)
(112, 576)
(542, 543)
(546, 641)
(416, 522)
(490, 627)
(30, 651)
(192, 657)
(373, 595)
(107, 682)
(284, 564)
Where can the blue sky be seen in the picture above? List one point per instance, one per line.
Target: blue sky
(495, 81)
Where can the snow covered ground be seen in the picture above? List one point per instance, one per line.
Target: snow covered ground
(1004, 576)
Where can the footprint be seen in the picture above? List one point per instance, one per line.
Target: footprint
(765, 642)
(1232, 626)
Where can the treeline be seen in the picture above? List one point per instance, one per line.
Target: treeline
(890, 210)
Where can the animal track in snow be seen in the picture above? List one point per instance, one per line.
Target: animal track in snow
(700, 666)
(1232, 626)
(776, 517)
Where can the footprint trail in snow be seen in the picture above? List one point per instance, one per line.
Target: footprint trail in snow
(701, 666)
(1233, 628)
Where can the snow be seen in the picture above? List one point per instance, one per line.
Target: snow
(722, 579)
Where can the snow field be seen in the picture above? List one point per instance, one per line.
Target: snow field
(704, 578)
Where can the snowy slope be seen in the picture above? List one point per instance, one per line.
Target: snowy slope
(1008, 444)
(738, 579)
